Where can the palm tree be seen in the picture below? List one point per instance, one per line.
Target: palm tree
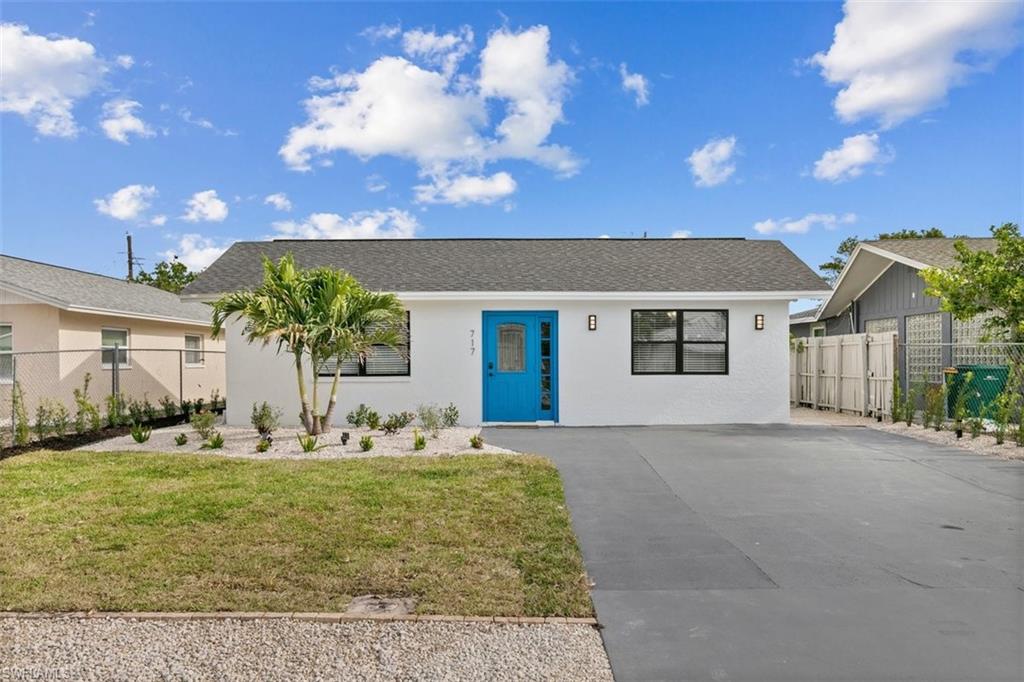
(320, 313)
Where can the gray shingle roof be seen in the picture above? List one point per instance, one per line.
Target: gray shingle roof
(521, 265)
(809, 313)
(938, 253)
(72, 289)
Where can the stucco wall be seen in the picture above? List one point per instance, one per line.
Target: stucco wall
(595, 384)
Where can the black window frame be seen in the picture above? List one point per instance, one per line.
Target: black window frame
(362, 361)
(680, 343)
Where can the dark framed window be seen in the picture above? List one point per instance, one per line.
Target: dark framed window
(680, 341)
(383, 362)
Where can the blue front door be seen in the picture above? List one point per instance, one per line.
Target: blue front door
(520, 366)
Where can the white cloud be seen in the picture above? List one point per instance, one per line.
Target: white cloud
(196, 251)
(128, 203)
(391, 223)
(205, 206)
(376, 183)
(381, 32)
(445, 50)
(635, 83)
(851, 158)
(467, 189)
(279, 200)
(895, 60)
(829, 221)
(188, 117)
(43, 78)
(713, 163)
(125, 61)
(439, 118)
(682, 234)
(119, 120)
(158, 220)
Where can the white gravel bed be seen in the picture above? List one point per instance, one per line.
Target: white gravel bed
(285, 649)
(984, 444)
(241, 442)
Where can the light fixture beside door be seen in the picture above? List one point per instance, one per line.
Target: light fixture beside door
(759, 322)
(592, 322)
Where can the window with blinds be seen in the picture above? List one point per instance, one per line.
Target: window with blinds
(382, 362)
(680, 342)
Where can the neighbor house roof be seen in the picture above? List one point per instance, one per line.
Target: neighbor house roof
(872, 258)
(529, 265)
(79, 291)
(808, 315)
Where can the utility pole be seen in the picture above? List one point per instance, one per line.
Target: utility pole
(131, 259)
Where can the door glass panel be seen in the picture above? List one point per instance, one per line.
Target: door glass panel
(545, 366)
(545, 347)
(545, 400)
(545, 330)
(511, 348)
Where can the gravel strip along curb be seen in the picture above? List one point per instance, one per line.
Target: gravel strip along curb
(319, 617)
(131, 647)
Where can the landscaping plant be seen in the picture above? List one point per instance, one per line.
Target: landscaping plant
(934, 406)
(366, 443)
(419, 441)
(136, 412)
(308, 442)
(215, 399)
(214, 442)
(187, 408)
(960, 404)
(477, 442)
(148, 410)
(430, 417)
(203, 423)
(43, 418)
(1006, 406)
(910, 404)
(115, 409)
(22, 432)
(357, 417)
(396, 422)
(450, 416)
(169, 406)
(319, 315)
(87, 415)
(181, 439)
(265, 419)
(60, 418)
(896, 408)
(141, 433)
(262, 445)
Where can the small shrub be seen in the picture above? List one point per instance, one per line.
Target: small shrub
(215, 399)
(430, 417)
(115, 410)
(960, 403)
(357, 417)
(61, 419)
(187, 408)
(373, 420)
(203, 423)
(450, 416)
(476, 441)
(1004, 408)
(262, 445)
(910, 404)
(934, 406)
(22, 432)
(168, 405)
(214, 442)
(87, 415)
(148, 409)
(897, 398)
(43, 419)
(198, 405)
(308, 443)
(265, 419)
(396, 422)
(419, 441)
(366, 443)
(140, 433)
(181, 439)
(136, 413)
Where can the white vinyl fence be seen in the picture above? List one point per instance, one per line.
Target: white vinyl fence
(847, 373)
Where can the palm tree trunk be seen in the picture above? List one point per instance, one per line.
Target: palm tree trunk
(314, 361)
(307, 422)
(334, 398)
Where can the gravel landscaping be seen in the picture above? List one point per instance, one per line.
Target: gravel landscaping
(117, 649)
(241, 442)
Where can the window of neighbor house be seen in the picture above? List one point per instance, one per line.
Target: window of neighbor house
(383, 362)
(6, 353)
(881, 325)
(194, 350)
(110, 337)
(680, 342)
(818, 330)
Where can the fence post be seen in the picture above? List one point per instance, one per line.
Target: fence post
(865, 376)
(839, 375)
(815, 345)
(181, 376)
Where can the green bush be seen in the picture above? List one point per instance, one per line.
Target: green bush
(419, 441)
(396, 422)
(61, 419)
(136, 412)
(22, 432)
(897, 398)
(934, 406)
(265, 419)
(366, 443)
(115, 409)
(308, 443)
(203, 423)
(262, 445)
(140, 433)
(430, 417)
(450, 416)
(181, 439)
(87, 414)
(43, 419)
(214, 442)
(476, 441)
(357, 417)
(148, 410)
(169, 406)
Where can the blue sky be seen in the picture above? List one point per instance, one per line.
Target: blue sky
(502, 120)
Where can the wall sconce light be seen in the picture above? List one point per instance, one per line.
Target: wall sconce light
(759, 322)
(592, 322)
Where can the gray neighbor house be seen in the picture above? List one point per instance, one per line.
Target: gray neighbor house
(881, 290)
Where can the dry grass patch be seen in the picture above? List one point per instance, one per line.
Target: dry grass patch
(467, 535)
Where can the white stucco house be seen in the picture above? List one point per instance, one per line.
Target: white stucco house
(563, 331)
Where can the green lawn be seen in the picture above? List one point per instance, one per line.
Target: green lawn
(467, 535)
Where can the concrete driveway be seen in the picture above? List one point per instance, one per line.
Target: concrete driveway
(794, 553)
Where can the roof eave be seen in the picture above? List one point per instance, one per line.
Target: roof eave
(779, 295)
(71, 308)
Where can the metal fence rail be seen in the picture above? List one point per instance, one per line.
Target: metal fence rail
(145, 376)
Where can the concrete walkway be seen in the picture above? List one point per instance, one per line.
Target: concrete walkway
(794, 553)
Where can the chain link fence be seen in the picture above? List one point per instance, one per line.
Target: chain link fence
(980, 371)
(53, 386)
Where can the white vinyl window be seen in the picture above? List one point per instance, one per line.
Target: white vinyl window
(6, 353)
(194, 350)
(818, 330)
(110, 337)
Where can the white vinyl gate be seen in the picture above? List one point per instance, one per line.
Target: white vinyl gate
(847, 373)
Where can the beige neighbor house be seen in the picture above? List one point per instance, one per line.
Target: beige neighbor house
(58, 324)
